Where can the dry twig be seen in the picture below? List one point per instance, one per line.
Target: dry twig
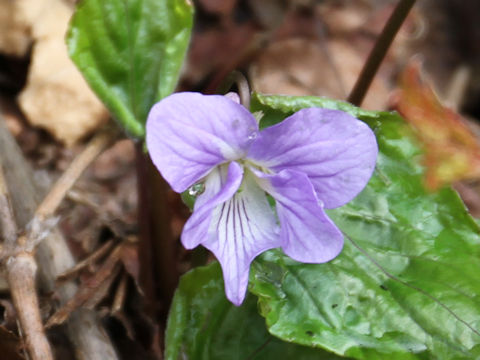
(89, 340)
(97, 254)
(59, 190)
(21, 270)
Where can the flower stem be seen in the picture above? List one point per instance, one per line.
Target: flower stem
(237, 78)
(379, 51)
(158, 269)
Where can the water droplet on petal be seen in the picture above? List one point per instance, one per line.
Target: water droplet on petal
(196, 189)
(252, 136)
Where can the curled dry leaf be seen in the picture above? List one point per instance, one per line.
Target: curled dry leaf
(452, 151)
(57, 97)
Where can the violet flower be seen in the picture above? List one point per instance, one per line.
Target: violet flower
(314, 159)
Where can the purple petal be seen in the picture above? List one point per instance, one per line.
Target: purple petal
(188, 134)
(233, 96)
(336, 151)
(240, 228)
(308, 235)
(220, 185)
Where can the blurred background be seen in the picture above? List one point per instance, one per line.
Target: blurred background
(291, 47)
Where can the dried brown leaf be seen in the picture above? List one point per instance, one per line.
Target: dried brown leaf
(452, 151)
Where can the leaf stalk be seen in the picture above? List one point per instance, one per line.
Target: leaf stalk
(379, 51)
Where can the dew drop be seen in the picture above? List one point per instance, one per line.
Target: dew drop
(196, 189)
(252, 136)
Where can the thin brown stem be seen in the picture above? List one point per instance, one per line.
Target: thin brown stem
(97, 254)
(59, 190)
(237, 78)
(164, 244)
(146, 243)
(379, 51)
(21, 270)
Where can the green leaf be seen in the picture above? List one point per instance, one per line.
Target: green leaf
(276, 108)
(406, 285)
(203, 324)
(130, 52)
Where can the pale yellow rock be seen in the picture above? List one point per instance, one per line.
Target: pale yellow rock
(56, 96)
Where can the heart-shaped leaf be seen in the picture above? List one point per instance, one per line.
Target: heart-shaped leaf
(130, 52)
(204, 325)
(406, 285)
